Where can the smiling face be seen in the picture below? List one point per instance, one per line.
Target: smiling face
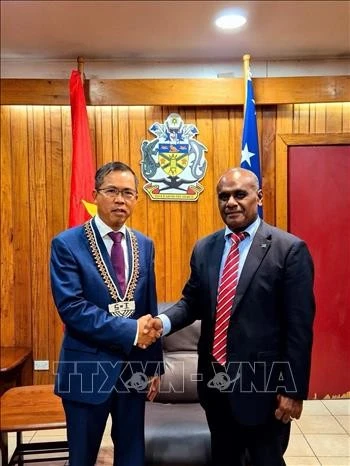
(114, 211)
(238, 198)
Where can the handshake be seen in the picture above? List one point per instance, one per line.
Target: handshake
(149, 330)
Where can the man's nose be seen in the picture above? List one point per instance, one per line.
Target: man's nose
(231, 200)
(119, 197)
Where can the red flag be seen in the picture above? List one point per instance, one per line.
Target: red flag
(83, 172)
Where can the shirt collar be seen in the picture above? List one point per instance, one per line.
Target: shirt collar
(105, 229)
(251, 230)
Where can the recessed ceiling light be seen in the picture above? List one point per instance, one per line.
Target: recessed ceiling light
(230, 21)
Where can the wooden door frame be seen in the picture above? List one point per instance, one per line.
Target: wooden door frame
(283, 142)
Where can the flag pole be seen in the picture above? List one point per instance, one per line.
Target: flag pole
(80, 61)
(246, 60)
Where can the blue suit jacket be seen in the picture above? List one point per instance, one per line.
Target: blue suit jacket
(96, 345)
(271, 321)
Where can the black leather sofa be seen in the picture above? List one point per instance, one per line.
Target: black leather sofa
(176, 430)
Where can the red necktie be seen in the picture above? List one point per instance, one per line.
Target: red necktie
(117, 258)
(226, 293)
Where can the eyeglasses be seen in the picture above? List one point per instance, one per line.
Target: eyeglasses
(113, 193)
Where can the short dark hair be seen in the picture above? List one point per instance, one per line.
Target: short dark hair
(109, 167)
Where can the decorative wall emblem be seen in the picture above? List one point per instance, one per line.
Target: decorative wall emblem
(173, 163)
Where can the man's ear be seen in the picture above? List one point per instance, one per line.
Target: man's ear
(94, 194)
(260, 196)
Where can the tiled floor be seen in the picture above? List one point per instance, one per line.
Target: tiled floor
(320, 437)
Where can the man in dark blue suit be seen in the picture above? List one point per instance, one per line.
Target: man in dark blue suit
(255, 386)
(107, 363)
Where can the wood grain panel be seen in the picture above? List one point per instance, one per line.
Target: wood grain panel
(38, 307)
(192, 92)
(334, 118)
(208, 196)
(268, 162)
(346, 117)
(155, 212)
(284, 125)
(35, 178)
(21, 232)
(7, 252)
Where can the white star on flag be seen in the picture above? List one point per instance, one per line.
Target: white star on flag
(246, 155)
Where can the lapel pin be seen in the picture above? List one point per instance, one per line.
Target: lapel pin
(263, 245)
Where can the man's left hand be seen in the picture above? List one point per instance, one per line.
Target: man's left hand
(153, 388)
(288, 408)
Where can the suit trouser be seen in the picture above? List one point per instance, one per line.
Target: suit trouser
(265, 443)
(86, 424)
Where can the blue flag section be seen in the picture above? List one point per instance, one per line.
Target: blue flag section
(250, 142)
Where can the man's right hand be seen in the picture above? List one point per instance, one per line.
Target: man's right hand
(149, 330)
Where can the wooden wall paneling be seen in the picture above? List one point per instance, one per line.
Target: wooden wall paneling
(38, 320)
(268, 167)
(57, 222)
(7, 232)
(91, 112)
(296, 118)
(312, 118)
(236, 121)
(346, 117)
(98, 133)
(54, 226)
(66, 159)
(106, 139)
(21, 233)
(123, 134)
(233, 143)
(172, 225)
(137, 126)
(304, 118)
(61, 137)
(192, 92)
(320, 118)
(189, 213)
(115, 129)
(208, 196)
(334, 118)
(155, 223)
(221, 142)
(284, 125)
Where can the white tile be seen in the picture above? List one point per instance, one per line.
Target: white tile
(28, 435)
(294, 429)
(329, 444)
(302, 461)
(39, 437)
(105, 456)
(12, 440)
(334, 460)
(344, 421)
(319, 424)
(339, 407)
(298, 446)
(314, 407)
(106, 441)
(51, 433)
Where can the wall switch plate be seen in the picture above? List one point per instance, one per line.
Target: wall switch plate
(41, 365)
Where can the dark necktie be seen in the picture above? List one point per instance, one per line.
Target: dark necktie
(226, 293)
(117, 258)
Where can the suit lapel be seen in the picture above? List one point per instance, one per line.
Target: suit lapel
(214, 257)
(260, 245)
(128, 245)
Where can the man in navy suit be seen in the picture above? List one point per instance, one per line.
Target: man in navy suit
(250, 399)
(107, 363)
